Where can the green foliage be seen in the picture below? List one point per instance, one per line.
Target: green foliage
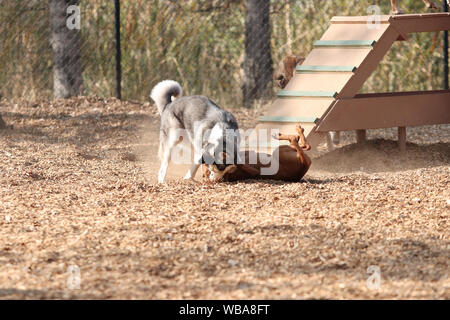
(200, 43)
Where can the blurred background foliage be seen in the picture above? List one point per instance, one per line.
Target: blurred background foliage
(199, 43)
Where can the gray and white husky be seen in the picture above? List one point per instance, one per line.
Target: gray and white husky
(212, 131)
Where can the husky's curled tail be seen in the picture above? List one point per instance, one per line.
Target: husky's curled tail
(164, 92)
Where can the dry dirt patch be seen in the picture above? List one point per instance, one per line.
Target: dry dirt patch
(78, 187)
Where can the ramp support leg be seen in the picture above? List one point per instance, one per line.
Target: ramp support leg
(330, 145)
(360, 136)
(402, 138)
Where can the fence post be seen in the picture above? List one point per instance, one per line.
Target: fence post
(118, 52)
(66, 50)
(257, 59)
(445, 51)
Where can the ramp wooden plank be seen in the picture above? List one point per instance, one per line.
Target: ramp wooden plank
(345, 43)
(401, 109)
(286, 128)
(419, 16)
(319, 94)
(368, 66)
(353, 32)
(421, 22)
(336, 56)
(299, 107)
(288, 119)
(383, 19)
(331, 81)
(313, 69)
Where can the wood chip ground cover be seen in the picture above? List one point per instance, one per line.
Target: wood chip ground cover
(78, 188)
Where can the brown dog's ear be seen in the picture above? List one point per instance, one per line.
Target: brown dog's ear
(289, 63)
(299, 60)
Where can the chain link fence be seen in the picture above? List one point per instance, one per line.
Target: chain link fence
(225, 49)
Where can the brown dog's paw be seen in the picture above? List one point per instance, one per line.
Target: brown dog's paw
(299, 128)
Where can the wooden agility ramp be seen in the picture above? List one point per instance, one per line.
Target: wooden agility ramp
(322, 95)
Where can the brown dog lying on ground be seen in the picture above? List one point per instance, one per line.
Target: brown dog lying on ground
(286, 68)
(293, 163)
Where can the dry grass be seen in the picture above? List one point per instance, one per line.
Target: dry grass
(78, 187)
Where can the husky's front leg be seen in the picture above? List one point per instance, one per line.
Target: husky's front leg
(200, 131)
(160, 151)
(194, 167)
(191, 172)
